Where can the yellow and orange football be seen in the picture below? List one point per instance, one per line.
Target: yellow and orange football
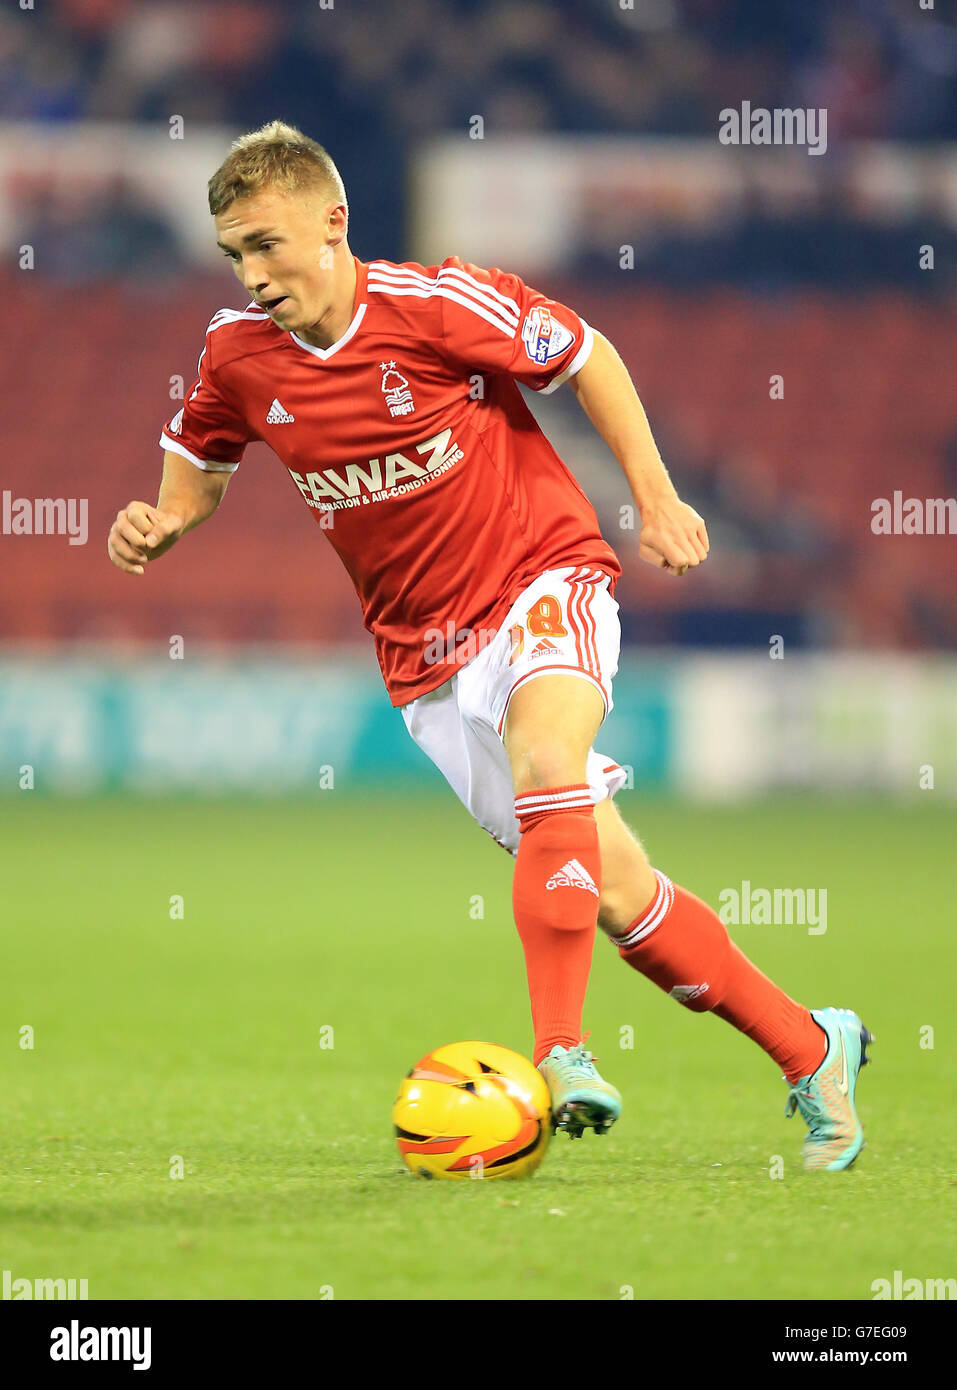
(473, 1110)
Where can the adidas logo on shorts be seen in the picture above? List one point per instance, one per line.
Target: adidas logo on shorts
(544, 648)
(573, 875)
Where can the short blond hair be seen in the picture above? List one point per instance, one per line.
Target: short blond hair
(275, 156)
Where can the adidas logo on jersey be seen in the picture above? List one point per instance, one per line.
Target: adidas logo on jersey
(544, 648)
(278, 415)
(573, 875)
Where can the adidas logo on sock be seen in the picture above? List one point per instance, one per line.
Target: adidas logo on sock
(573, 875)
(685, 993)
(278, 415)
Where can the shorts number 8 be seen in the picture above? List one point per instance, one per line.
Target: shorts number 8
(545, 618)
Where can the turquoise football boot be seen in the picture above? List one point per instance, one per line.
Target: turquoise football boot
(580, 1096)
(826, 1097)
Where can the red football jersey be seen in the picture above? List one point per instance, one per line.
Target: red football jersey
(411, 444)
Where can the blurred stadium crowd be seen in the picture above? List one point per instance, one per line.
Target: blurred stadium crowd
(370, 77)
(825, 293)
(883, 68)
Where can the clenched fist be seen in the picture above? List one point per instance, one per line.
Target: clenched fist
(673, 536)
(140, 533)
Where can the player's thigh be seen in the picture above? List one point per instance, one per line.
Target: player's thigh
(628, 883)
(549, 728)
(552, 672)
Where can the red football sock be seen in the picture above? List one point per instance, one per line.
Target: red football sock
(681, 944)
(555, 899)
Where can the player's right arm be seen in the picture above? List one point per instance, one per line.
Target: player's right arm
(203, 445)
(187, 496)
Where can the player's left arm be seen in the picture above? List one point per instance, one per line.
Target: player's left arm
(673, 536)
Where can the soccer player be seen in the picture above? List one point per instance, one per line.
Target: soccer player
(390, 394)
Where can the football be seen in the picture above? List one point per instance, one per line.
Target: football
(473, 1110)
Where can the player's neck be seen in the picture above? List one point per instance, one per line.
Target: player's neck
(332, 325)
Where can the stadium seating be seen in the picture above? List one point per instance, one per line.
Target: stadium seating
(867, 408)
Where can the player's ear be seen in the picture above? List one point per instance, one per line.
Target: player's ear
(337, 223)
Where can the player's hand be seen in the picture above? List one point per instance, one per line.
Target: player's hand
(673, 536)
(141, 533)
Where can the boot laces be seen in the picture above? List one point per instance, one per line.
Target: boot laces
(812, 1109)
(580, 1055)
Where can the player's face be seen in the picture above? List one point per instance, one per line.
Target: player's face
(281, 248)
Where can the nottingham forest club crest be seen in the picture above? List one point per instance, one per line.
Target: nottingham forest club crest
(395, 388)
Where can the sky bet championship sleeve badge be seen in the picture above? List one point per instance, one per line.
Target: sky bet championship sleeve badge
(543, 336)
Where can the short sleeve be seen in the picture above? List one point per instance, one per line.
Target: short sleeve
(492, 321)
(208, 430)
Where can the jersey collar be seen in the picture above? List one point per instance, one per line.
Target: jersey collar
(358, 313)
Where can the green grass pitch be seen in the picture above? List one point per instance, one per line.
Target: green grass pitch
(200, 1039)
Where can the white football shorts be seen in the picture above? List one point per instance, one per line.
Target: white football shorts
(566, 620)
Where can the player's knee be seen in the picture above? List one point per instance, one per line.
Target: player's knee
(615, 910)
(628, 880)
(624, 899)
(547, 764)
